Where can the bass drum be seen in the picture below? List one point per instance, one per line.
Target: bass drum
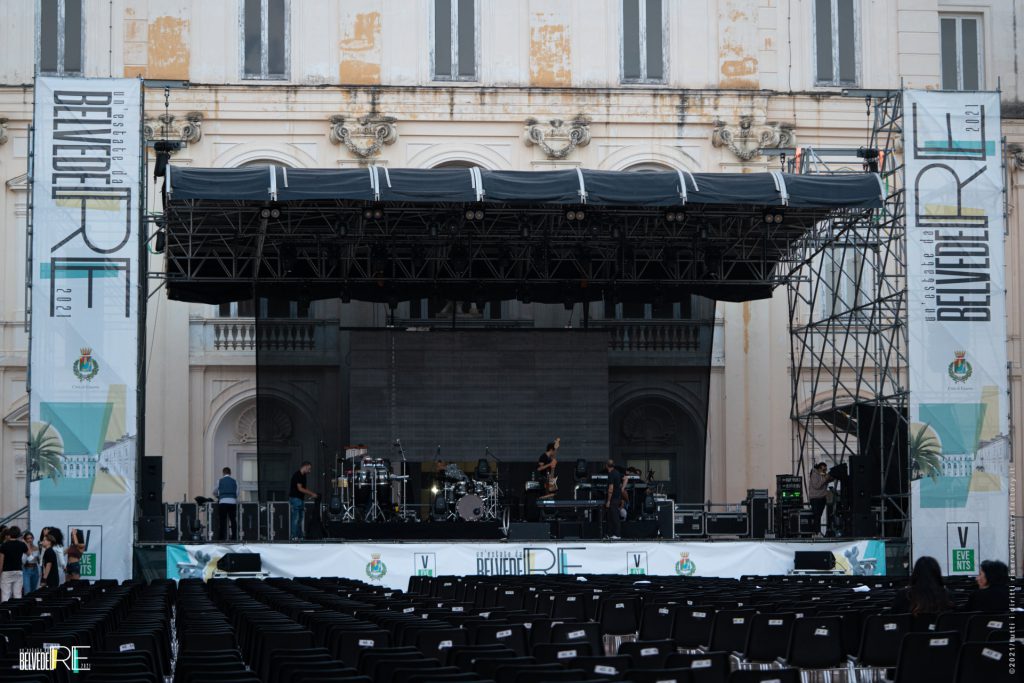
(470, 507)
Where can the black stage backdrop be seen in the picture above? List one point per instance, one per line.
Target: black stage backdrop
(332, 375)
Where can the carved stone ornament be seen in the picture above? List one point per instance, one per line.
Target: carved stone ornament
(557, 138)
(3, 130)
(747, 139)
(163, 127)
(1015, 151)
(364, 136)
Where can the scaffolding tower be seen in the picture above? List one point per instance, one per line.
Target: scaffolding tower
(847, 294)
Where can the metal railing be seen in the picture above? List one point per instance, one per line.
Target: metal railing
(656, 335)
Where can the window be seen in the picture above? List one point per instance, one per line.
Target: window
(454, 40)
(265, 38)
(961, 53)
(663, 310)
(835, 42)
(60, 37)
(643, 57)
(846, 274)
(245, 308)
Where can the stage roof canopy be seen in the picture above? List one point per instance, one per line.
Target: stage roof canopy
(559, 236)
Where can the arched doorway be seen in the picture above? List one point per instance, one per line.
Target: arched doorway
(657, 435)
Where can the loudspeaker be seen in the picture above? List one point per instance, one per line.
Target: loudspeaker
(151, 529)
(865, 525)
(240, 562)
(759, 510)
(640, 528)
(666, 519)
(865, 483)
(188, 522)
(814, 559)
(151, 486)
(249, 521)
(529, 531)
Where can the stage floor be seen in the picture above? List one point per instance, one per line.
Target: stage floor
(391, 563)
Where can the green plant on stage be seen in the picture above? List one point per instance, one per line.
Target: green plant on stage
(44, 455)
(925, 458)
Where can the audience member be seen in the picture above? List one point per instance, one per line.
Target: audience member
(30, 564)
(926, 594)
(11, 552)
(993, 594)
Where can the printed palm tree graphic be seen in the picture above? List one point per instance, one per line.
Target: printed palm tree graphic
(925, 457)
(44, 455)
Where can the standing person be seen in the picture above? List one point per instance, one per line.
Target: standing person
(546, 464)
(993, 594)
(817, 492)
(51, 571)
(613, 500)
(58, 547)
(226, 493)
(11, 552)
(296, 492)
(30, 564)
(73, 570)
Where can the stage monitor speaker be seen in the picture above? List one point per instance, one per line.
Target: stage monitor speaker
(640, 528)
(822, 560)
(151, 485)
(240, 562)
(759, 510)
(529, 531)
(249, 521)
(151, 529)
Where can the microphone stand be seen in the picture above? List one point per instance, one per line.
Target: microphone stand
(496, 490)
(405, 477)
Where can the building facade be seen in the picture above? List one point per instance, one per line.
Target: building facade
(691, 85)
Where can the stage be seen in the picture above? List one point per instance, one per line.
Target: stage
(391, 564)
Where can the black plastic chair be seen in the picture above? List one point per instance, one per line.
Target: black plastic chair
(928, 657)
(987, 662)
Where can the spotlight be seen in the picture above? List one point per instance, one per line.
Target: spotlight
(275, 213)
(772, 216)
(469, 214)
(479, 215)
(367, 214)
(433, 490)
(264, 213)
(575, 215)
(378, 214)
(675, 216)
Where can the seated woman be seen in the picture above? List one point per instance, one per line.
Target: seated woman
(993, 594)
(926, 594)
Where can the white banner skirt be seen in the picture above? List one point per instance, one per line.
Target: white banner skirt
(86, 189)
(959, 405)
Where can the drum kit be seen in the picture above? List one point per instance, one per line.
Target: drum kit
(470, 500)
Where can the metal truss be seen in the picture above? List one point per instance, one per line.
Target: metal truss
(541, 253)
(848, 337)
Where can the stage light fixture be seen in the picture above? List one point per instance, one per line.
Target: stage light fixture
(575, 215)
(264, 213)
(675, 216)
(275, 213)
(772, 216)
(378, 214)
(469, 214)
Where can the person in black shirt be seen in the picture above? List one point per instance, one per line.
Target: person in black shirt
(51, 574)
(11, 578)
(546, 464)
(993, 594)
(296, 492)
(613, 500)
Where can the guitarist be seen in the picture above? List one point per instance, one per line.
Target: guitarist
(546, 464)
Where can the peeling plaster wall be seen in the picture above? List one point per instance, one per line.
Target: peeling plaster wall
(550, 44)
(360, 45)
(737, 45)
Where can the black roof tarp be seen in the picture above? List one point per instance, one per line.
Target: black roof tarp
(563, 187)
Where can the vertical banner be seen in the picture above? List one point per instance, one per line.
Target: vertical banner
(86, 190)
(959, 436)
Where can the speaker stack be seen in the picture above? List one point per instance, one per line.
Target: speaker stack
(865, 492)
(151, 503)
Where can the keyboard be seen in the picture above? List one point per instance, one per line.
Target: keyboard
(556, 504)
